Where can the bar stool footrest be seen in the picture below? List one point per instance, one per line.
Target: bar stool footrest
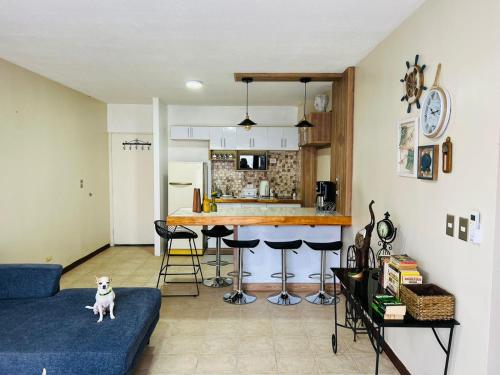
(213, 263)
(318, 275)
(279, 275)
(236, 274)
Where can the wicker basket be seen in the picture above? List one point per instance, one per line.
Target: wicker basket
(427, 302)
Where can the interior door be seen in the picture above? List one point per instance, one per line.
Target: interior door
(132, 190)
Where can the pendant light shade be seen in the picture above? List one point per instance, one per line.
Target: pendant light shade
(247, 123)
(304, 123)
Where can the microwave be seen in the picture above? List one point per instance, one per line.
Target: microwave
(251, 161)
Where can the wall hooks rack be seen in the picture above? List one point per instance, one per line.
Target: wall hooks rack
(137, 143)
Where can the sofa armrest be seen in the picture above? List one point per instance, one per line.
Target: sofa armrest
(29, 280)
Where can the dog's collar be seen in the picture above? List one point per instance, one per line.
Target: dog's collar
(105, 294)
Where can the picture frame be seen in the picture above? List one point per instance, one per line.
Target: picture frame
(428, 157)
(407, 147)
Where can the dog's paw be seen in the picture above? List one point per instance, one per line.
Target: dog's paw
(112, 316)
(99, 321)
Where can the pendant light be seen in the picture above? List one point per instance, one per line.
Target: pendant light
(247, 123)
(304, 123)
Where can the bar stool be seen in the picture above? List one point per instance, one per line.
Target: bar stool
(322, 297)
(284, 297)
(238, 296)
(171, 233)
(218, 231)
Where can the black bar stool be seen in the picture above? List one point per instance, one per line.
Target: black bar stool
(218, 231)
(284, 297)
(322, 297)
(238, 296)
(171, 233)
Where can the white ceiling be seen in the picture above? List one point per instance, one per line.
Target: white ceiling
(131, 50)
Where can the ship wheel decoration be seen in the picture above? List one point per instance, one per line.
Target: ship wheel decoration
(413, 83)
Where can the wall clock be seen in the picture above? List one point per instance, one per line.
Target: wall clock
(436, 109)
(413, 83)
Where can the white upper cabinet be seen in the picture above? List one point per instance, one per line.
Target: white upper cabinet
(223, 138)
(253, 139)
(195, 133)
(237, 138)
(283, 138)
(291, 138)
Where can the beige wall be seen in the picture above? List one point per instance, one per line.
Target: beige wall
(461, 35)
(51, 137)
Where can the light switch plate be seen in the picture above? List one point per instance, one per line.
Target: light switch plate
(463, 229)
(450, 225)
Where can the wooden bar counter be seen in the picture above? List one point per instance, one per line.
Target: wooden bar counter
(258, 216)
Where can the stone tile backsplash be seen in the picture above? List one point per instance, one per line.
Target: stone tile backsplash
(283, 174)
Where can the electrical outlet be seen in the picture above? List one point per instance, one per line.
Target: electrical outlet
(463, 229)
(450, 225)
(48, 259)
(81, 184)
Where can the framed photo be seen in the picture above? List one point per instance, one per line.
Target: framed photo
(407, 147)
(428, 162)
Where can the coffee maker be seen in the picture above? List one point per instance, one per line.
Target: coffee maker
(325, 196)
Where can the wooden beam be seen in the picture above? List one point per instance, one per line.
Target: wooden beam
(288, 77)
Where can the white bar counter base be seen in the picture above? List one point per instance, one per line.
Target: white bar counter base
(274, 224)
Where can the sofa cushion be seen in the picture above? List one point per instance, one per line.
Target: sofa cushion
(29, 280)
(58, 333)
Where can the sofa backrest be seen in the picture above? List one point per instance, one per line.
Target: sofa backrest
(29, 280)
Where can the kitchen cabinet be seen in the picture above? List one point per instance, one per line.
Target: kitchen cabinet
(223, 138)
(320, 134)
(195, 133)
(253, 139)
(282, 138)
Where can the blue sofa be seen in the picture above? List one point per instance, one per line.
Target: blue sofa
(42, 327)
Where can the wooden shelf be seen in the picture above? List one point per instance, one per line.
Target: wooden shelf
(288, 77)
(319, 135)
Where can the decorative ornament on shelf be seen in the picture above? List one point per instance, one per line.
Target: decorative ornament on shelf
(447, 150)
(436, 109)
(321, 102)
(387, 234)
(413, 83)
(362, 245)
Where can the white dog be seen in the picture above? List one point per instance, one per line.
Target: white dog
(104, 298)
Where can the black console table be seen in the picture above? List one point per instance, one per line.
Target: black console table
(361, 319)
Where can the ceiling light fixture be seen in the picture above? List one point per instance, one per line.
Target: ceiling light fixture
(304, 123)
(194, 85)
(247, 123)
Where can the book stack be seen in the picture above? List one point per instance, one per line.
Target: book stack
(389, 307)
(402, 270)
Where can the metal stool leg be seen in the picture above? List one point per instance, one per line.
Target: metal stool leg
(195, 270)
(322, 297)
(284, 297)
(238, 296)
(217, 281)
(198, 261)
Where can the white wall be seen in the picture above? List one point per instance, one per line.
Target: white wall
(160, 155)
(130, 118)
(461, 35)
(52, 137)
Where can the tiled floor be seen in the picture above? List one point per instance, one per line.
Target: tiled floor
(204, 335)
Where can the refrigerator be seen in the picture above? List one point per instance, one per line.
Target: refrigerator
(183, 178)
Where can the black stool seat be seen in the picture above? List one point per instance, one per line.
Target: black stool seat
(324, 246)
(284, 245)
(173, 232)
(239, 244)
(217, 231)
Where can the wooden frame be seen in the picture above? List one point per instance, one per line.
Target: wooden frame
(428, 169)
(288, 77)
(403, 156)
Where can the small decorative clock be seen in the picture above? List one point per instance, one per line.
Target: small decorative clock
(436, 110)
(413, 83)
(387, 234)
